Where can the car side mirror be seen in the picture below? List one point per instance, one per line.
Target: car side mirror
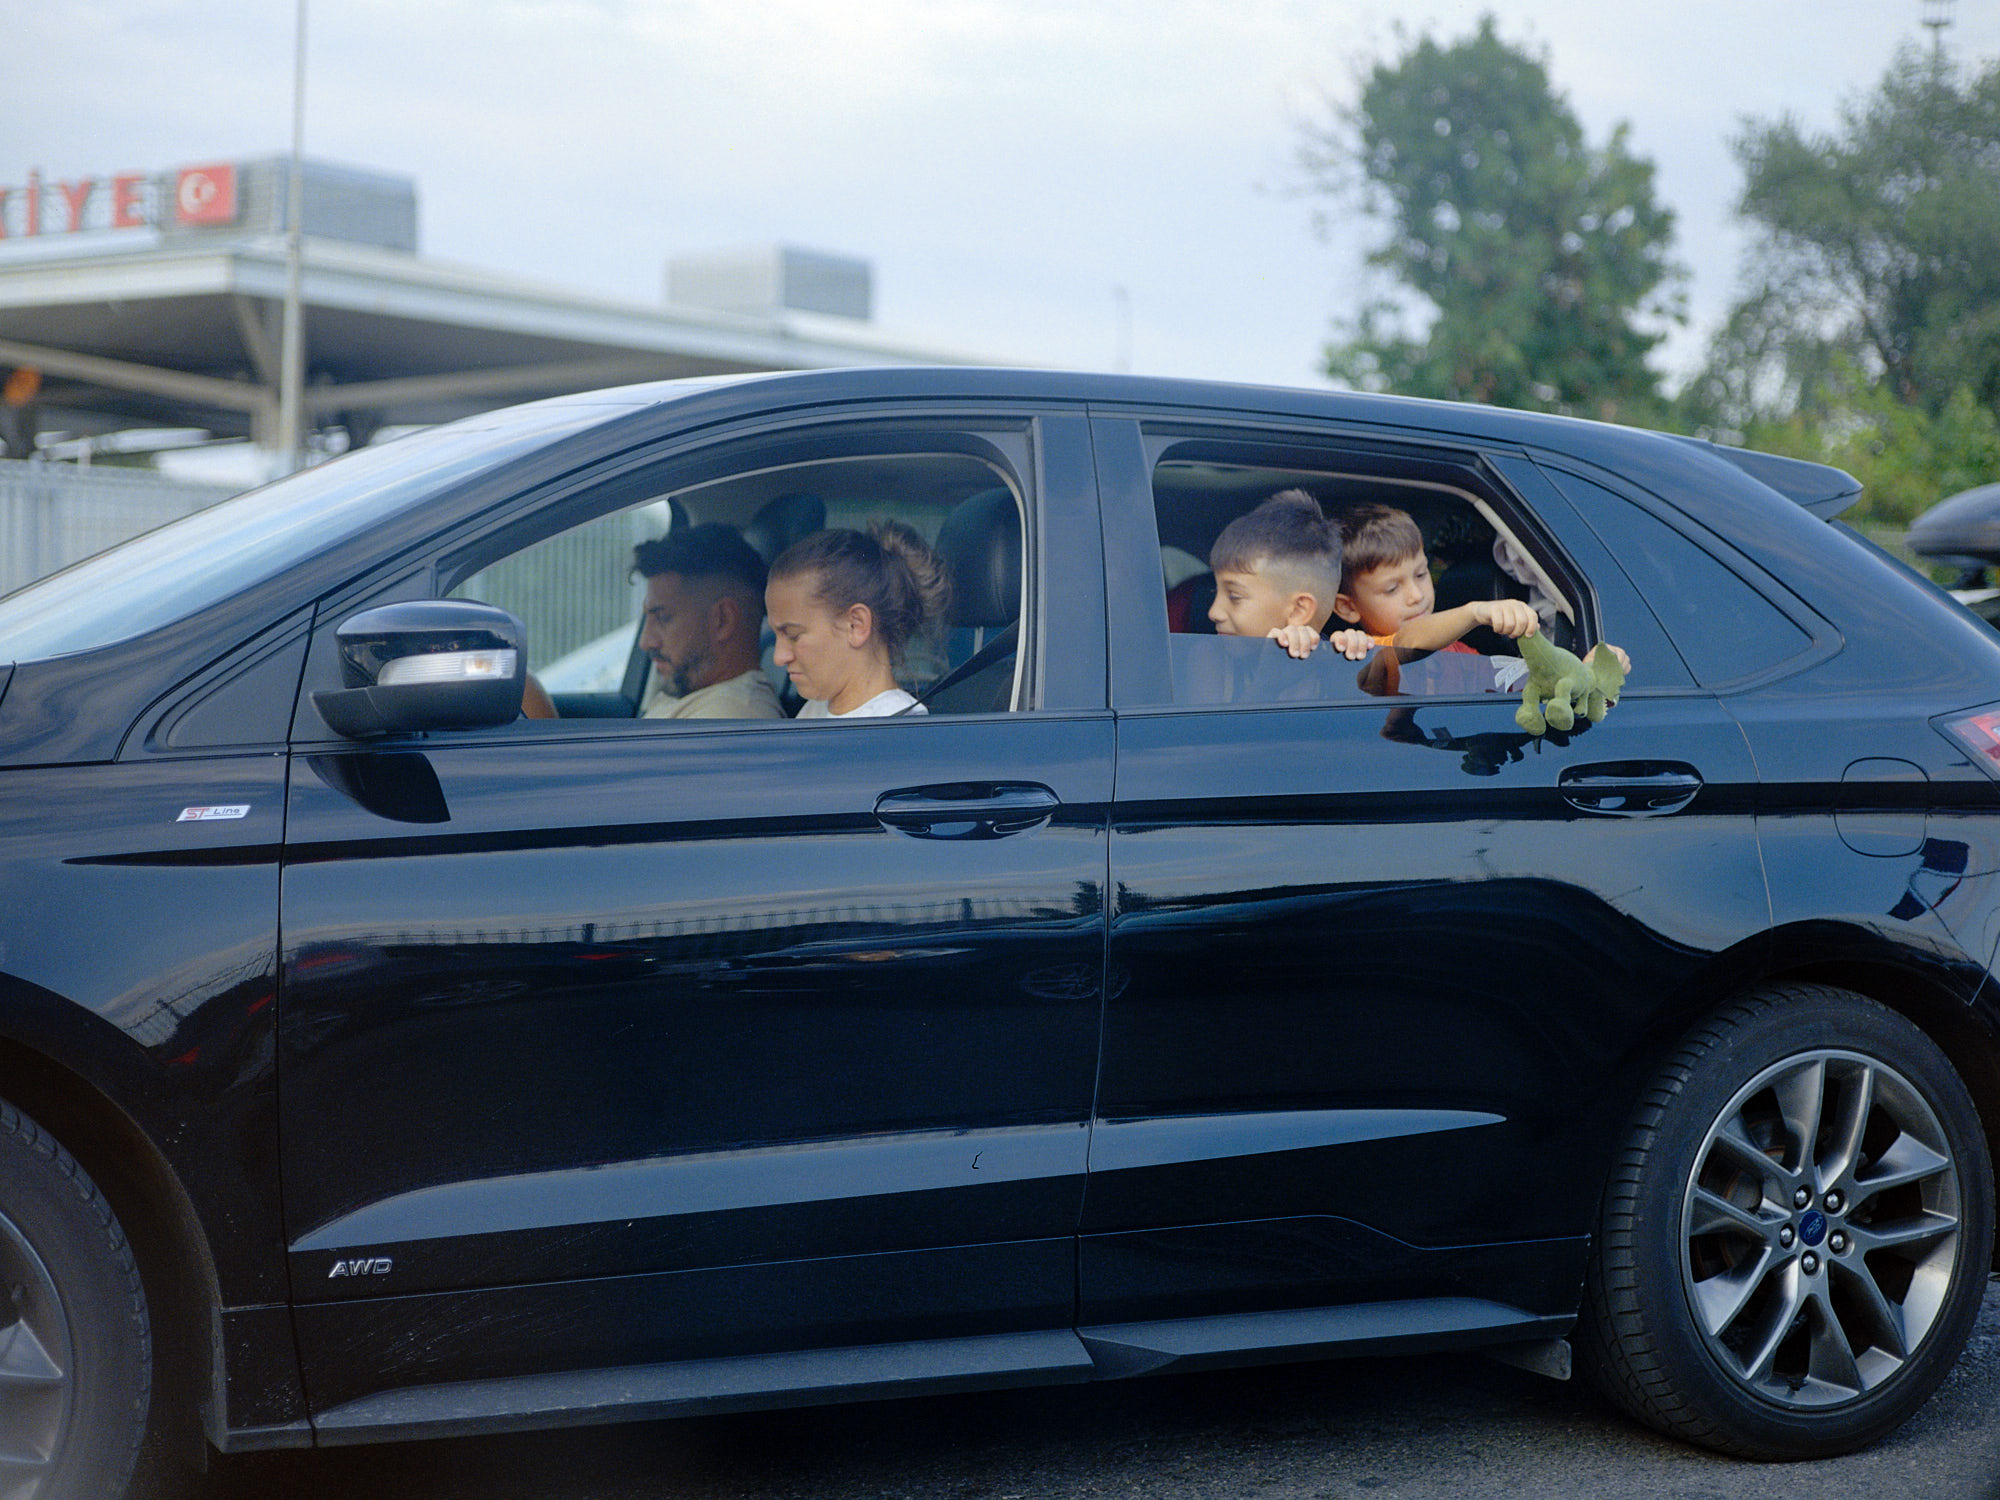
(426, 664)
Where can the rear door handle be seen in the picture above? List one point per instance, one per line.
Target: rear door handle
(967, 810)
(1630, 789)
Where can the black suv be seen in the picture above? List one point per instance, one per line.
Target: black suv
(381, 1064)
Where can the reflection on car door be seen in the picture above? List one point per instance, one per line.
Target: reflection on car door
(629, 1045)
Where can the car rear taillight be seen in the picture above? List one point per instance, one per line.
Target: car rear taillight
(1978, 734)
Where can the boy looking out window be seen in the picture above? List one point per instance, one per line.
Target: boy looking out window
(1277, 574)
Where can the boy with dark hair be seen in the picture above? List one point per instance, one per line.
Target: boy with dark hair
(1277, 574)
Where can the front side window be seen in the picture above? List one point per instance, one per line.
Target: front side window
(822, 587)
(1396, 579)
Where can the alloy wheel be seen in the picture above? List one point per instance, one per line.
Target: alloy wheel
(1820, 1229)
(35, 1366)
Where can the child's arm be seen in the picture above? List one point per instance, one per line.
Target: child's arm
(1508, 617)
(1302, 640)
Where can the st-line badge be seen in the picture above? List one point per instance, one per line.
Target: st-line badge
(213, 814)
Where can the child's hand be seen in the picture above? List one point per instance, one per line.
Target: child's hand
(1352, 644)
(1508, 617)
(1624, 661)
(1299, 640)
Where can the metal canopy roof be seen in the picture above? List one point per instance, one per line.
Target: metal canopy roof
(188, 336)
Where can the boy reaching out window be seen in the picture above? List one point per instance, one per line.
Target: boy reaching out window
(1386, 591)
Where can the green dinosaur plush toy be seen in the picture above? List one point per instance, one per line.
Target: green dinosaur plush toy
(1560, 687)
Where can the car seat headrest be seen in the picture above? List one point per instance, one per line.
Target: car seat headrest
(782, 521)
(980, 542)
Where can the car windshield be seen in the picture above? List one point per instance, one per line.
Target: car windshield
(188, 564)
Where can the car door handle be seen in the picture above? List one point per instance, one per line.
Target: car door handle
(1630, 789)
(975, 810)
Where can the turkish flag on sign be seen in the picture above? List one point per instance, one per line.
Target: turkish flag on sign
(206, 195)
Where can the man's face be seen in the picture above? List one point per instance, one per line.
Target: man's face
(1383, 600)
(677, 632)
(1249, 601)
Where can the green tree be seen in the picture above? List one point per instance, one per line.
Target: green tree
(1868, 330)
(1877, 251)
(1531, 262)
(1907, 458)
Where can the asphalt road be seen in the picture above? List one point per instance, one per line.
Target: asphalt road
(1449, 1427)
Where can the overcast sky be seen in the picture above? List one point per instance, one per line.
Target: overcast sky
(1004, 164)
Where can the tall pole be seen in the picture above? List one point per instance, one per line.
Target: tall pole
(1937, 17)
(292, 350)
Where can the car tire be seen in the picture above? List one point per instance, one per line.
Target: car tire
(1796, 1233)
(75, 1343)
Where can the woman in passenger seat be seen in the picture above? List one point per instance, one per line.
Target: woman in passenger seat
(843, 604)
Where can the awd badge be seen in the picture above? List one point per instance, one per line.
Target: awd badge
(380, 1265)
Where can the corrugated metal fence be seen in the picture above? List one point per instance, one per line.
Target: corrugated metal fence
(572, 587)
(51, 515)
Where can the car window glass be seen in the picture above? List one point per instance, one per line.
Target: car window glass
(1979, 603)
(1721, 625)
(575, 591)
(581, 598)
(1474, 552)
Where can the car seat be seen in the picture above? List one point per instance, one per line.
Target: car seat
(1187, 605)
(1473, 576)
(1471, 571)
(980, 543)
(781, 521)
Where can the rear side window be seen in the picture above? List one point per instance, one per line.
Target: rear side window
(1472, 547)
(1725, 629)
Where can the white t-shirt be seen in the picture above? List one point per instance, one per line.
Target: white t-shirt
(880, 706)
(745, 696)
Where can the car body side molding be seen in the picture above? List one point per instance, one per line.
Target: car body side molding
(1124, 1145)
(814, 1377)
(1417, 1326)
(749, 1382)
